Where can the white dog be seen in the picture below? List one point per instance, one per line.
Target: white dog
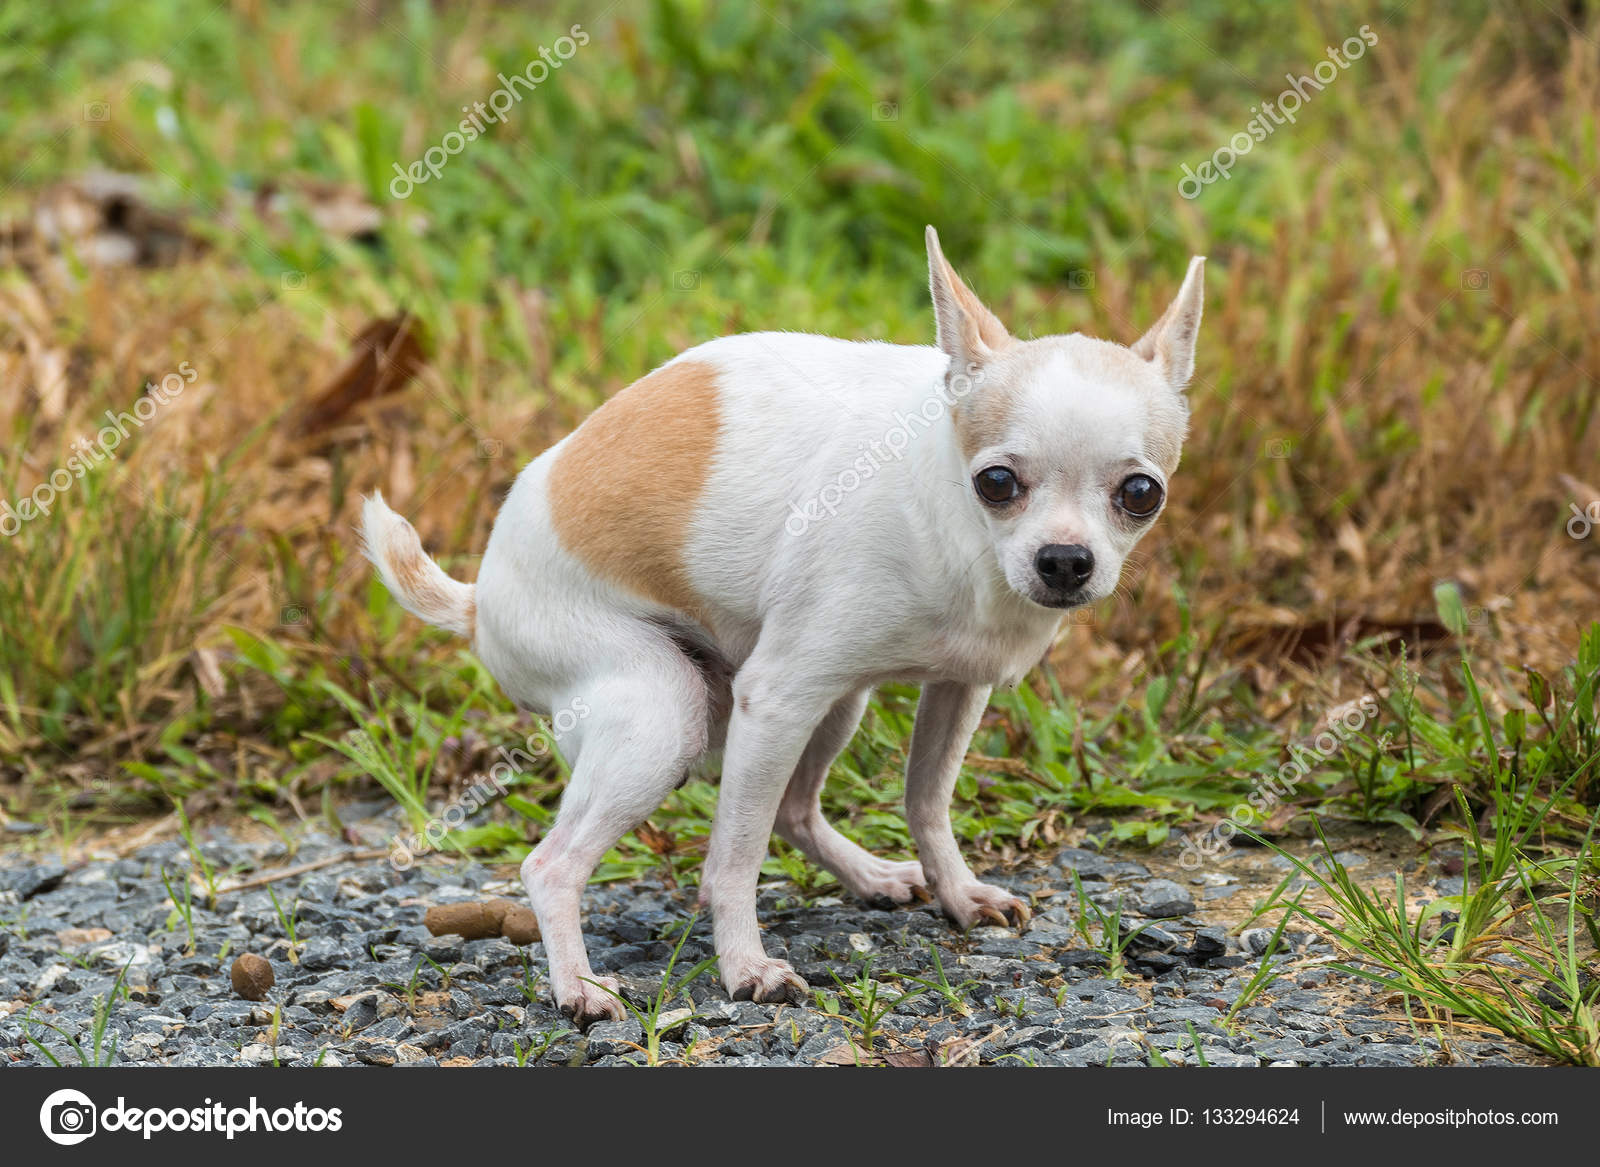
(736, 549)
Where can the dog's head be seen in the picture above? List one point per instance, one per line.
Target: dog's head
(1069, 442)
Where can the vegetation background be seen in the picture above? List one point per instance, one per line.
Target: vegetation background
(1391, 467)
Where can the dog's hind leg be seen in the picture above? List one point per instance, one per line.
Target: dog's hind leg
(800, 820)
(643, 731)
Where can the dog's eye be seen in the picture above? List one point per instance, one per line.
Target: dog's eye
(996, 485)
(1139, 495)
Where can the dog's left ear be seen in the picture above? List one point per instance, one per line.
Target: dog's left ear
(1170, 342)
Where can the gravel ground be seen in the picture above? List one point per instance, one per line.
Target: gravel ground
(371, 986)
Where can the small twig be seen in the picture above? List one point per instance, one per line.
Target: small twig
(300, 869)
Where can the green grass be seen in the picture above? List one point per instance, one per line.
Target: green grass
(652, 1015)
(953, 995)
(101, 1047)
(1519, 951)
(182, 907)
(1105, 931)
(1257, 985)
(289, 921)
(870, 1001)
(535, 1050)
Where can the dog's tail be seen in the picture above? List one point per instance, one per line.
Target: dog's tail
(414, 579)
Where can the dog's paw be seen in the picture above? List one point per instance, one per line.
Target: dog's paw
(589, 1002)
(764, 980)
(974, 903)
(884, 883)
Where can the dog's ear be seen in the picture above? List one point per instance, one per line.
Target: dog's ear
(967, 330)
(1170, 342)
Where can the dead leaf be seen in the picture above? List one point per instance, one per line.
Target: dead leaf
(25, 311)
(208, 673)
(103, 219)
(383, 358)
(78, 937)
(656, 841)
(1311, 642)
(1437, 801)
(338, 208)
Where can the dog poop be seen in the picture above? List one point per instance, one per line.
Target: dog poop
(479, 921)
(497, 910)
(521, 926)
(252, 976)
(468, 921)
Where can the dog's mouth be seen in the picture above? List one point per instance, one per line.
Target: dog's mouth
(1063, 600)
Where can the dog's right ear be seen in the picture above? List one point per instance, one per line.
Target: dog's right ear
(968, 332)
(1170, 342)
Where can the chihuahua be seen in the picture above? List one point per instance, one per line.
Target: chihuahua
(732, 552)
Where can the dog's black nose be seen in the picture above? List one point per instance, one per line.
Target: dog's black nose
(1064, 565)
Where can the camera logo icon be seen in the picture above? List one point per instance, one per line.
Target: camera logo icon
(67, 1117)
(1584, 521)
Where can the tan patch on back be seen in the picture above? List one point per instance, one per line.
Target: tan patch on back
(625, 486)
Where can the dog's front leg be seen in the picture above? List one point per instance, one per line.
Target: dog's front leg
(947, 716)
(773, 719)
